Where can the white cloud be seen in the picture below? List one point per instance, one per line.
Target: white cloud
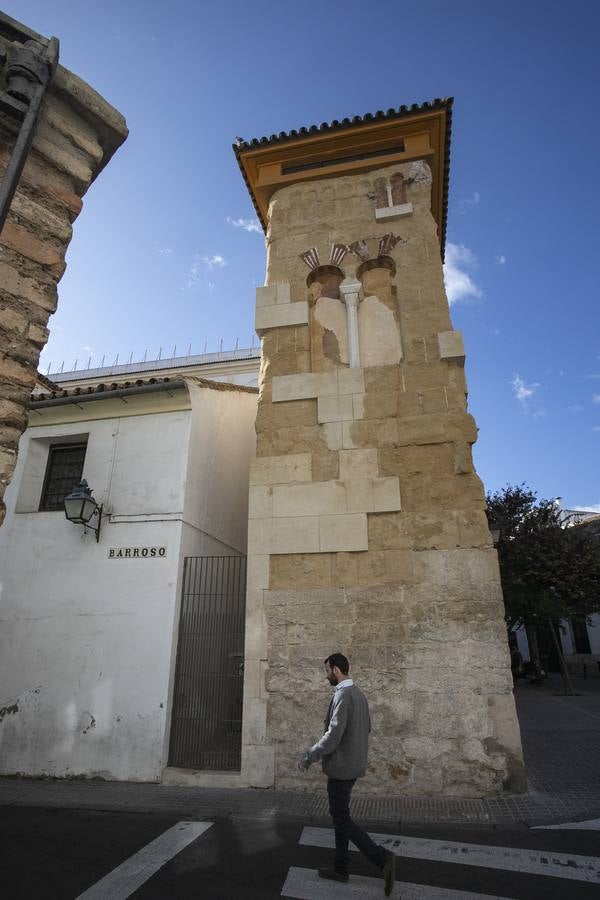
(200, 265)
(165, 251)
(596, 428)
(246, 224)
(459, 283)
(467, 202)
(575, 408)
(214, 262)
(500, 259)
(593, 509)
(595, 398)
(523, 392)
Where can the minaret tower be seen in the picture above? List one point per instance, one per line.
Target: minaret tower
(368, 532)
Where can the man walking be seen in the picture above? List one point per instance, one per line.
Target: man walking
(343, 752)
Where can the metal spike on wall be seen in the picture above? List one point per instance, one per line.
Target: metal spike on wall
(159, 354)
(62, 365)
(131, 357)
(236, 343)
(74, 369)
(174, 351)
(205, 344)
(89, 362)
(189, 353)
(102, 363)
(145, 354)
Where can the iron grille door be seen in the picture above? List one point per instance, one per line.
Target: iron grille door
(206, 725)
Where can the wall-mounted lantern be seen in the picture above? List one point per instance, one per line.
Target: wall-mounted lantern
(494, 527)
(80, 508)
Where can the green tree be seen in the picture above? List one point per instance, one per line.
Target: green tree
(550, 567)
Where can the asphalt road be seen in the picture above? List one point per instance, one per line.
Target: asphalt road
(64, 853)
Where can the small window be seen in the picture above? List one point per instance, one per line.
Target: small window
(63, 473)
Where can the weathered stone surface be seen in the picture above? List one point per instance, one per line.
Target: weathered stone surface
(410, 589)
(77, 134)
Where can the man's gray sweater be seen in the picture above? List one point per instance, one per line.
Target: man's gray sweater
(343, 749)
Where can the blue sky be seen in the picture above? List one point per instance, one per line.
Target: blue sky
(166, 251)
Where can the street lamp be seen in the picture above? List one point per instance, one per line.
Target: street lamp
(80, 507)
(494, 527)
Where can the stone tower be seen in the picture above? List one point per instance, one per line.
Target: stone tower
(367, 531)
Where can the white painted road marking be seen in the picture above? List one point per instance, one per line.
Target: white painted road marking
(513, 859)
(588, 825)
(305, 884)
(130, 875)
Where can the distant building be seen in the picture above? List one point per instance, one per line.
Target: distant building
(579, 638)
(90, 629)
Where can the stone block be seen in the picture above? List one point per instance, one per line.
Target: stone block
(391, 213)
(304, 386)
(351, 381)
(273, 294)
(255, 638)
(316, 499)
(381, 405)
(451, 347)
(370, 433)
(344, 532)
(358, 464)
(258, 766)
(281, 469)
(285, 535)
(257, 574)
(281, 315)
(335, 409)
(373, 495)
(260, 501)
(300, 570)
(390, 531)
(462, 458)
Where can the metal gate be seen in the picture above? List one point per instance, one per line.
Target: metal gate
(206, 724)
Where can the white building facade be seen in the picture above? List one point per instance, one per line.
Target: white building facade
(90, 628)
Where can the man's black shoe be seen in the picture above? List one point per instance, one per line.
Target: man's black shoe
(389, 874)
(334, 875)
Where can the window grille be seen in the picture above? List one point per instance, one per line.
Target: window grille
(63, 472)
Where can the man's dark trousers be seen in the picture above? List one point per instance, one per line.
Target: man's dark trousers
(346, 830)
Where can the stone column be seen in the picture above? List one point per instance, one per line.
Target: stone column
(77, 135)
(350, 291)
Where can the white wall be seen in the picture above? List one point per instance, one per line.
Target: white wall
(222, 443)
(85, 641)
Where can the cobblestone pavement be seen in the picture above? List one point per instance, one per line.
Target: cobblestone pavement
(561, 741)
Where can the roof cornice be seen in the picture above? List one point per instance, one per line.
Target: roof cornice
(351, 145)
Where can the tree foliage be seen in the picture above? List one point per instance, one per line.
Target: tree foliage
(550, 568)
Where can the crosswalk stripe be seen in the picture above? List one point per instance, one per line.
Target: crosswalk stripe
(130, 875)
(588, 825)
(305, 884)
(514, 859)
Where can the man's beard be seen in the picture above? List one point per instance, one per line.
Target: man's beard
(332, 680)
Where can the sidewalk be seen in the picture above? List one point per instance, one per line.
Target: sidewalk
(561, 741)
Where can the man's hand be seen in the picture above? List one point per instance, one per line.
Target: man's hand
(303, 764)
